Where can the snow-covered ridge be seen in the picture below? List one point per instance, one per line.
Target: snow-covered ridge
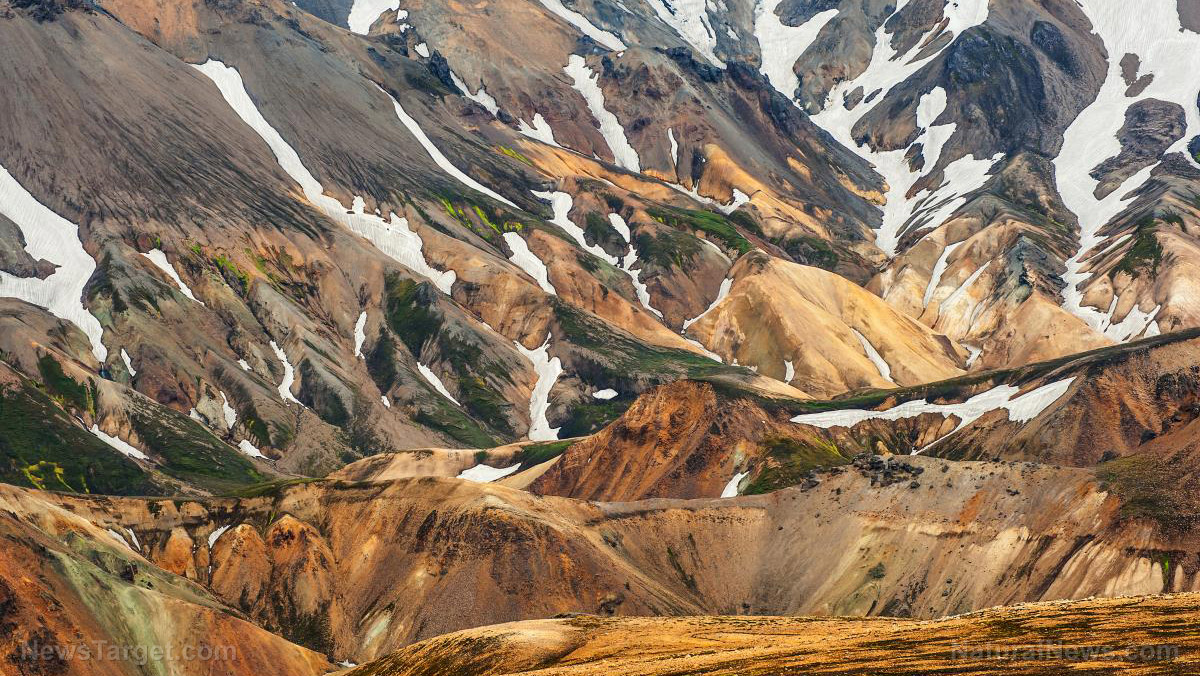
(159, 259)
(392, 237)
(782, 45)
(53, 238)
(1172, 54)
(585, 26)
(886, 69)
(548, 370)
(1020, 409)
(587, 84)
(437, 383)
(525, 259)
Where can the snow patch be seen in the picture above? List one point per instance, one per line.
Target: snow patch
(120, 444)
(939, 269)
(159, 259)
(789, 371)
(360, 334)
(690, 20)
(485, 473)
(481, 97)
(877, 359)
(289, 375)
(1020, 409)
(364, 13)
(422, 49)
(128, 363)
(731, 488)
(242, 363)
(386, 402)
(228, 412)
(539, 131)
(392, 237)
(585, 26)
(722, 294)
(216, 535)
(605, 394)
(587, 84)
(250, 449)
(436, 382)
(53, 238)
(525, 259)
(782, 45)
(548, 370)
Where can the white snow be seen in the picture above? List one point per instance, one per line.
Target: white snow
(973, 354)
(690, 20)
(364, 13)
(434, 380)
(53, 238)
(360, 334)
(159, 259)
(422, 49)
(119, 538)
(626, 264)
(386, 402)
(134, 539)
(604, 394)
(561, 203)
(782, 45)
(722, 293)
(525, 259)
(739, 198)
(708, 353)
(242, 363)
(731, 488)
(587, 84)
(485, 473)
(939, 269)
(674, 146)
(1172, 54)
(289, 375)
(548, 370)
(789, 371)
(585, 26)
(877, 359)
(392, 237)
(120, 444)
(481, 97)
(886, 69)
(128, 363)
(228, 412)
(1020, 409)
(216, 535)
(620, 226)
(539, 131)
(440, 159)
(249, 449)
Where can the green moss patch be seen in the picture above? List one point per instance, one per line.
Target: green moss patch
(789, 460)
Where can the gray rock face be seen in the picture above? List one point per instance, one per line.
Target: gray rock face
(1151, 126)
(13, 257)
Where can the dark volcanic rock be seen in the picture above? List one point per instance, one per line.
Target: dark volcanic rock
(1151, 126)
